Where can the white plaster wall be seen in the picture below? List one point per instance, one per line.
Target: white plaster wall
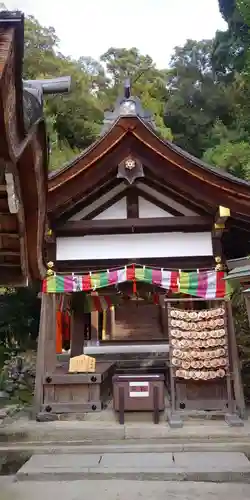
(148, 209)
(165, 199)
(133, 246)
(116, 211)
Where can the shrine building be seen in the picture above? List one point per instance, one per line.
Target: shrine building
(139, 237)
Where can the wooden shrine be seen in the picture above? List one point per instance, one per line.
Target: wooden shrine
(23, 161)
(135, 223)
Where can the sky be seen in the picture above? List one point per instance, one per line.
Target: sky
(155, 27)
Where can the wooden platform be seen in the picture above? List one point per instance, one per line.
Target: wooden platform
(82, 392)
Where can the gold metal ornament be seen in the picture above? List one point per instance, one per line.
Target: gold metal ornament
(219, 226)
(219, 265)
(50, 271)
(224, 211)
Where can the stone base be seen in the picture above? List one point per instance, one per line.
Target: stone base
(46, 417)
(175, 421)
(233, 420)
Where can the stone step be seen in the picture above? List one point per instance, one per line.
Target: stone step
(180, 466)
(130, 446)
(95, 431)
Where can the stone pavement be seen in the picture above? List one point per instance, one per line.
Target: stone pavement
(183, 466)
(70, 432)
(122, 490)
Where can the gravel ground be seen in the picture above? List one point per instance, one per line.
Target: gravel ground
(121, 490)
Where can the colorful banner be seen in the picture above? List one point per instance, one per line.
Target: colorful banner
(204, 284)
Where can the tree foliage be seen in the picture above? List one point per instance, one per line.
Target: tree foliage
(19, 319)
(196, 100)
(232, 157)
(227, 8)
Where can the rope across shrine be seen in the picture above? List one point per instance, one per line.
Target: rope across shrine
(208, 284)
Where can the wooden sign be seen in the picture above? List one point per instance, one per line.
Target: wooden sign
(82, 364)
(139, 389)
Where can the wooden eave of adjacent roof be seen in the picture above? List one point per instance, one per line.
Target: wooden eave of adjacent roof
(165, 161)
(24, 155)
(239, 273)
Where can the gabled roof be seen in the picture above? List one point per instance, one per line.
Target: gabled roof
(131, 133)
(170, 145)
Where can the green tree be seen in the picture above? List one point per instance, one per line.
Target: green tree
(40, 43)
(77, 117)
(196, 100)
(19, 318)
(232, 157)
(231, 46)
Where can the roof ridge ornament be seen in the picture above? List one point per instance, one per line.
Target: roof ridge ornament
(130, 169)
(127, 105)
(127, 88)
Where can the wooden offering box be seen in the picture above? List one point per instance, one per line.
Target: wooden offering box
(138, 393)
(78, 392)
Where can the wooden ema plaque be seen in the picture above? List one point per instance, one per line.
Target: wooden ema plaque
(82, 364)
(199, 360)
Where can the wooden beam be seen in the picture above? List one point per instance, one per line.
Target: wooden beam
(5, 252)
(132, 203)
(179, 196)
(3, 188)
(7, 234)
(104, 206)
(88, 198)
(193, 185)
(185, 263)
(9, 264)
(71, 192)
(125, 226)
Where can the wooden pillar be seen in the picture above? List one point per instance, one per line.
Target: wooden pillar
(105, 324)
(46, 349)
(94, 323)
(112, 322)
(237, 380)
(77, 333)
(164, 320)
(77, 325)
